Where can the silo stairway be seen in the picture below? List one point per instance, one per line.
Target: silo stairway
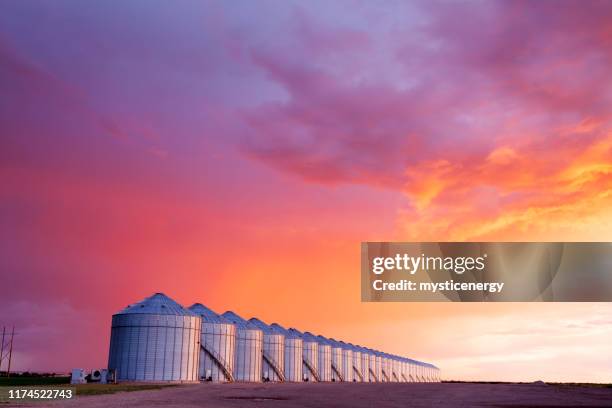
(220, 362)
(312, 370)
(372, 375)
(274, 366)
(358, 373)
(337, 372)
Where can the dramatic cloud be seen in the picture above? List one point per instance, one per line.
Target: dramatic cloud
(230, 153)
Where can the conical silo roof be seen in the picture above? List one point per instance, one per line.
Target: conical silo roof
(206, 314)
(311, 337)
(280, 329)
(263, 326)
(159, 304)
(238, 321)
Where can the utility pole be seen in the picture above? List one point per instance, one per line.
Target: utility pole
(8, 372)
(2, 348)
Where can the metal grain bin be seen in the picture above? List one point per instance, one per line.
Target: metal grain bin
(365, 363)
(347, 361)
(310, 356)
(273, 367)
(249, 349)
(396, 368)
(381, 362)
(324, 360)
(374, 370)
(217, 346)
(155, 340)
(404, 370)
(293, 354)
(336, 358)
(357, 369)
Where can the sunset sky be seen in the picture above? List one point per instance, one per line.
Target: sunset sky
(237, 153)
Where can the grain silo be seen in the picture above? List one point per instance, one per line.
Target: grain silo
(155, 340)
(374, 370)
(273, 367)
(412, 368)
(336, 358)
(217, 346)
(347, 361)
(310, 356)
(365, 364)
(380, 360)
(396, 368)
(324, 360)
(404, 370)
(358, 375)
(293, 353)
(249, 349)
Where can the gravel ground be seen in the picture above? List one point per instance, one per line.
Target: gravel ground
(289, 395)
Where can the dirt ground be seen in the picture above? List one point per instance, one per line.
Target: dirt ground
(353, 395)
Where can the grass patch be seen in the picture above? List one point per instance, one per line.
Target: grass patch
(99, 389)
(23, 381)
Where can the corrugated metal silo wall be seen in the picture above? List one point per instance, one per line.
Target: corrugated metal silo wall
(365, 366)
(150, 347)
(274, 349)
(337, 362)
(310, 355)
(357, 371)
(293, 359)
(347, 365)
(218, 348)
(324, 362)
(374, 377)
(248, 358)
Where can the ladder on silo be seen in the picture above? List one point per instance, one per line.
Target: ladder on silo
(337, 372)
(373, 375)
(312, 370)
(274, 366)
(358, 373)
(220, 362)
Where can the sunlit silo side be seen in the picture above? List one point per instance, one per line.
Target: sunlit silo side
(155, 340)
(404, 370)
(336, 358)
(324, 360)
(365, 363)
(293, 353)
(358, 375)
(273, 367)
(380, 362)
(347, 361)
(310, 356)
(217, 346)
(249, 349)
(374, 370)
(396, 368)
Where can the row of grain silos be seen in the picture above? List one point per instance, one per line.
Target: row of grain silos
(159, 340)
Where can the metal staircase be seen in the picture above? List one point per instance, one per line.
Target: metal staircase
(337, 372)
(358, 373)
(220, 362)
(312, 370)
(373, 375)
(385, 376)
(274, 366)
(395, 376)
(404, 377)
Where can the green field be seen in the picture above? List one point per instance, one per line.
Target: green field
(17, 381)
(81, 389)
